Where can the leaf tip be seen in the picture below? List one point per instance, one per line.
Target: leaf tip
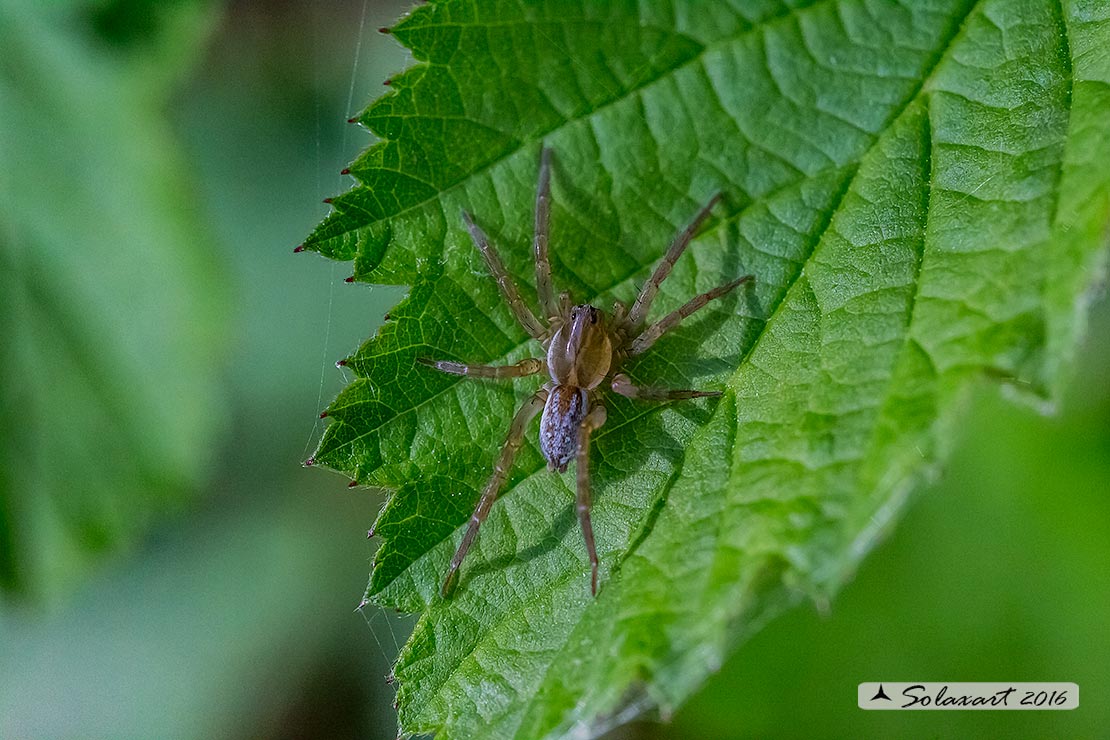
(352, 484)
(340, 363)
(345, 171)
(350, 279)
(298, 249)
(309, 462)
(323, 414)
(385, 30)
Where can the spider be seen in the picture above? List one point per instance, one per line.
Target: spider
(584, 348)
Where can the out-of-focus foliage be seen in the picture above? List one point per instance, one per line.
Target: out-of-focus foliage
(920, 192)
(232, 617)
(111, 296)
(223, 630)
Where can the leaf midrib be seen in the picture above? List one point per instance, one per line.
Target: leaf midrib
(642, 536)
(943, 50)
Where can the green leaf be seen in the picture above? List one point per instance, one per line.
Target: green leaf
(111, 300)
(920, 193)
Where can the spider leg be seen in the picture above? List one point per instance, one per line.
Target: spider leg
(593, 420)
(508, 288)
(529, 366)
(525, 414)
(622, 385)
(543, 212)
(647, 293)
(649, 336)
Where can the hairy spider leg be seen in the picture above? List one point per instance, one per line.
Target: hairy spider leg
(649, 336)
(527, 366)
(593, 420)
(647, 294)
(525, 414)
(623, 385)
(544, 289)
(508, 288)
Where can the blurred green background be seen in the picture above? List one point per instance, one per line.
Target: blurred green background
(167, 354)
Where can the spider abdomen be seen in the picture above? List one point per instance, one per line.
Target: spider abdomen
(563, 413)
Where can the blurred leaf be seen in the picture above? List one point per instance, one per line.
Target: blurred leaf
(919, 193)
(112, 305)
(204, 636)
(155, 43)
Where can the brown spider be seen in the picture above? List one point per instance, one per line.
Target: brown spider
(584, 349)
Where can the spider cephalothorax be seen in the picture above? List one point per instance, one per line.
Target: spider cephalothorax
(584, 350)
